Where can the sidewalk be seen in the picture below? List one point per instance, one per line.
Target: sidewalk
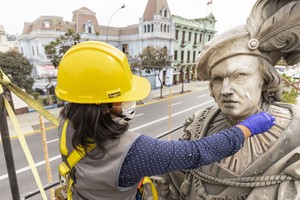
(29, 122)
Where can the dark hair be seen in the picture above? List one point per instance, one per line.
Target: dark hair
(92, 124)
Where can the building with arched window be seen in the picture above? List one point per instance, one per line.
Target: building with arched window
(183, 38)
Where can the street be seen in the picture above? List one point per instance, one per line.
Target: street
(151, 119)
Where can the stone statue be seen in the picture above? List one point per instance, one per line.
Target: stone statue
(239, 66)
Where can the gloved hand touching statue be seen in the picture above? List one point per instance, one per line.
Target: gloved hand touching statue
(259, 123)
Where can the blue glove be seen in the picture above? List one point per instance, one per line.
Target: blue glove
(259, 123)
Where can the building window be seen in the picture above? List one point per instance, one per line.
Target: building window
(47, 24)
(32, 49)
(166, 13)
(194, 56)
(183, 36)
(195, 38)
(182, 56)
(165, 28)
(200, 38)
(148, 28)
(151, 27)
(37, 51)
(88, 27)
(188, 56)
(209, 37)
(145, 28)
(176, 34)
(190, 36)
(175, 55)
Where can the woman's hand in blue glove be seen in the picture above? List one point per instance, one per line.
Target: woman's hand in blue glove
(258, 123)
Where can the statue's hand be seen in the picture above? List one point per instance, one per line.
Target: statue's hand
(165, 190)
(162, 186)
(147, 192)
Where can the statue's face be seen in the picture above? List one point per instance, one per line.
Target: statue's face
(231, 79)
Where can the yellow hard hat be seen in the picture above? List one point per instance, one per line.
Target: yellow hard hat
(96, 72)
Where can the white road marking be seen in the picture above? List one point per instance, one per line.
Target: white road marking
(201, 96)
(174, 104)
(28, 168)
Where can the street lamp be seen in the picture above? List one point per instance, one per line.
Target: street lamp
(123, 6)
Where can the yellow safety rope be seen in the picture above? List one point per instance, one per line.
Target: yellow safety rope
(4, 81)
(25, 148)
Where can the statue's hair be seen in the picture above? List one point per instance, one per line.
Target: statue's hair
(272, 89)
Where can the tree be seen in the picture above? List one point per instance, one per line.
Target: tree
(155, 59)
(135, 65)
(57, 48)
(182, 69)
(18, 69)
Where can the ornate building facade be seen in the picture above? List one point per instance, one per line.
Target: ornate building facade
(183, 38)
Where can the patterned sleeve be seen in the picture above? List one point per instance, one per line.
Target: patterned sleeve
(149, 156)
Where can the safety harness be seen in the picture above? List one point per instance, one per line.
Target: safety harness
(69, 161)
(66, 170)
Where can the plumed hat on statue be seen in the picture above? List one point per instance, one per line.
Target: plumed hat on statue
(272, 31)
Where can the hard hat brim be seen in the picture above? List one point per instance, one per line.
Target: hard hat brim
(139, 91)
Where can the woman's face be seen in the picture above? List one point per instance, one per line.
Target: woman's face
(231, 80)
(117, 108)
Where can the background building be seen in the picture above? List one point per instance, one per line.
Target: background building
(183, 38)
(7, 42)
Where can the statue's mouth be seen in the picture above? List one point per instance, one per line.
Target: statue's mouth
(229, 101)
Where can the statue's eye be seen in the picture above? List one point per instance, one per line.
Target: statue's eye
(241, 75)
(217, 80)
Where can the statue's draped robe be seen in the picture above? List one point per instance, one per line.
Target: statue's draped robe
(276, 152)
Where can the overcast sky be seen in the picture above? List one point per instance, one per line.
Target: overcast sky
(13, 13)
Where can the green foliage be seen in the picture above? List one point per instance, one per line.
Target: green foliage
(155, 58)
(56, 49)
(289, 94)
(135, 65)
(18, 69)
(35, 95)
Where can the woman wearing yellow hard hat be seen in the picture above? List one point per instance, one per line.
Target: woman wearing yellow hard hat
(96, 80)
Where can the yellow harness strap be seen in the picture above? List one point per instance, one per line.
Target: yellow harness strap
(147, 181)
(72, 159)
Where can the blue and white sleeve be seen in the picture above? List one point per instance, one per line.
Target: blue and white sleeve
(149, 156)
